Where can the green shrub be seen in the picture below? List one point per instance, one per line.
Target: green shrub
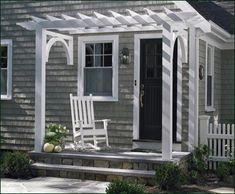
(123, 187)
(223, 170)
(199, 159)
(16, 165)
(169, 176)
(232, 163)
(193, 176)
(55, 133)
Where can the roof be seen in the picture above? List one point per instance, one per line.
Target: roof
(220, 12)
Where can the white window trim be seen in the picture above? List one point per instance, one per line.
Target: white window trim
(209, 108)
(8, 43)
(82, 40)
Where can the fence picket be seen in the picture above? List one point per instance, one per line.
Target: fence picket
(210, 145)
(228, 141)
(219, 142)
(232, 135)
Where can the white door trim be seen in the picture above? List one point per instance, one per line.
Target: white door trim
(137, 39)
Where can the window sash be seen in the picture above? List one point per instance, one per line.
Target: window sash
(98, 81)
(4, 79)
(6, 72)
(82, 41)
(209, 89)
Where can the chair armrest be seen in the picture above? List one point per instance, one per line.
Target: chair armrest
(103, 120)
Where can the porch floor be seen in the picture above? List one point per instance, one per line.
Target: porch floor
(123, 154)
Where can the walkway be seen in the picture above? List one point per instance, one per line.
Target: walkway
(51, 185)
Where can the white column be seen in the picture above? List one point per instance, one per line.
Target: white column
(204, 127)
(167, 78)
(192, 91)
(196, 133)
(40, 79)
(179, 91)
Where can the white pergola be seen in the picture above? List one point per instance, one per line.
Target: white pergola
(172, 25)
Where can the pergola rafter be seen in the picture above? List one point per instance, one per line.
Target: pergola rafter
(117, 21)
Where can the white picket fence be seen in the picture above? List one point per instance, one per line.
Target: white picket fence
(220, 140)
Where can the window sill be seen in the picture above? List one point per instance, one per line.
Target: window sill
(5, 97)
(104, 99)
(209, 109)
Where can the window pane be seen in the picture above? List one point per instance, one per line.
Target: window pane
(3, 81)
(107, 48)
(99, 61)
(3, 51)
(89, 49)
(209, 90)
(108, 61)
(89, 61)
(99, 48)
(98, 81)
(3, 62)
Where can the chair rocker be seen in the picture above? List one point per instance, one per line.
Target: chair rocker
(84, 124)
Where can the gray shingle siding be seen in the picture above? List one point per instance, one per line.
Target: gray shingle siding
(17, 115)
(223, 84)
(227, 91)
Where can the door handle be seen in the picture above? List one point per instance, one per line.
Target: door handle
(141, 95)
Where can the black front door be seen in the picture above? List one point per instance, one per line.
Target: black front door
(151, 89)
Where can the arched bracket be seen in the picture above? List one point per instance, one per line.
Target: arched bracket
(66, 41)
(183, 40)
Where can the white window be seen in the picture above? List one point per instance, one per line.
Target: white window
(6, 69)
(98, 67)
(209, 82)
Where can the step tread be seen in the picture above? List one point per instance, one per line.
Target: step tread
(153, 158)
(95, 170)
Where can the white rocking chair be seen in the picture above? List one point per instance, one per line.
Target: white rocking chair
(84, 124)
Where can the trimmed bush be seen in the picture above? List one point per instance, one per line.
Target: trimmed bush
(123, 187)
(169, 176)
(16, 165)
(193, 176)
(200, 158)
(223, 170)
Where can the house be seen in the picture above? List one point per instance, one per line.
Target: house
(153, 67)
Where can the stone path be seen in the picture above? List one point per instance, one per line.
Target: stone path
(51, 185)
(222, 190)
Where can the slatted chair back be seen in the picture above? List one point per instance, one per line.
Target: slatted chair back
(82, 110)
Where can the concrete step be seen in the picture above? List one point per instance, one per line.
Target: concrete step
(93, 173)
(140, 161)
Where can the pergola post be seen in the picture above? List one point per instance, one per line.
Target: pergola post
(192, 88)
(167, 90)
(40, 87)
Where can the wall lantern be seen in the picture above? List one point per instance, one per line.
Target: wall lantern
(125, 56)
(201, 72)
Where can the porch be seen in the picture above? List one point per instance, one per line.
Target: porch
(167, 24)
